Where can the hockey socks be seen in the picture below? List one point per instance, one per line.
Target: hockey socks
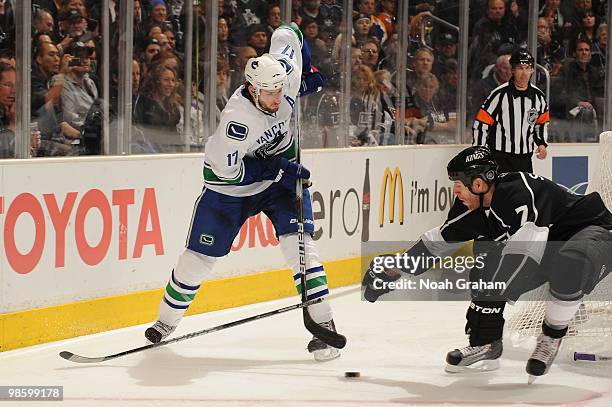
(316, 279)
(179, 295)
(316, 287)
(559, 313)
(316, 283)
(183, 285)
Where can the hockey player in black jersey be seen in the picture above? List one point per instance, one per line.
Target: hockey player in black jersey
(524, 213)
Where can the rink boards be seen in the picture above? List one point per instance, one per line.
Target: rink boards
(88, 243)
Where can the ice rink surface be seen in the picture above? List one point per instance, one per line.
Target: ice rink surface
(399, 348)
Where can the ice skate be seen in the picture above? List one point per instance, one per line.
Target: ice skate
(542, 357)
(320, 350)
(158, 332)
(475, 358)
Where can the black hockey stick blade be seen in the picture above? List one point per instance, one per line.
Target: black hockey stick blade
(329, 337)
(83, 359)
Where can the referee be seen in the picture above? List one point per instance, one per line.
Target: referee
(514, 119)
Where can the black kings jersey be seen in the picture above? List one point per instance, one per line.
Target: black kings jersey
(520, 198)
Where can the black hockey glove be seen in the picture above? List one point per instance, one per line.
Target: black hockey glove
(375, 281)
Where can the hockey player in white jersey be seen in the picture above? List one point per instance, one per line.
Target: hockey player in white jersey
(249, 167)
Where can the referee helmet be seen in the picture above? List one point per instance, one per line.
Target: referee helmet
(521, 56)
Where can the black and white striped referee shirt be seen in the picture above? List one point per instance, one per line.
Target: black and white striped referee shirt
(511, 120)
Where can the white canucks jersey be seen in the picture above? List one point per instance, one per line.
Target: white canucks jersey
(245, 131)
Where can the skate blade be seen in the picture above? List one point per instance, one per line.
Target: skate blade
(481, 366)
(323, 355)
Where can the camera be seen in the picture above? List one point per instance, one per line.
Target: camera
(79, 48)
(74, 62)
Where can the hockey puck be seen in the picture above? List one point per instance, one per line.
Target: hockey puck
(352, 374)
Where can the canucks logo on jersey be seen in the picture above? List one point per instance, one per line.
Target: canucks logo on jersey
(270, 141)
(207, 240)
(237, 131)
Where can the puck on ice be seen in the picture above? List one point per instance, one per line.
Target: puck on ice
(352, 374)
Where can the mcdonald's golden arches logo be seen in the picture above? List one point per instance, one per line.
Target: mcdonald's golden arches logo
(393, 179)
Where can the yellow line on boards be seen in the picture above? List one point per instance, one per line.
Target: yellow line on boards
(41, 325)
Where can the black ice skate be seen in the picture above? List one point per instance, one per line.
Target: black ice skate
(320, 350)
(158, 332)
(542, 357)
(475, 358)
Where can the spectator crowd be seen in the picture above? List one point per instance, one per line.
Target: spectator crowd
(66, 104)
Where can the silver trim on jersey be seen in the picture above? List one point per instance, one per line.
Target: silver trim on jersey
(455, 219)
(498, 218)
(500, 237)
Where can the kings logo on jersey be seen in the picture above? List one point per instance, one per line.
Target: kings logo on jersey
(572, 173)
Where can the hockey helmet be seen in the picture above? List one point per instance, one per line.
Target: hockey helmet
(521, 56)
(265, 73)
(471, 163)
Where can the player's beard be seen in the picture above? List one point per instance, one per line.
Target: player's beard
(268, 108)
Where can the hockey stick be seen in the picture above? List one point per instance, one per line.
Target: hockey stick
(82, 359)
(329, 337)
(591, 357)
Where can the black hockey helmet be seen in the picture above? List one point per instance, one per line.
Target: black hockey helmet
(521, 56)
(473, 162)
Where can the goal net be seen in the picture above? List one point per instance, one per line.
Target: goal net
(594, 318)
